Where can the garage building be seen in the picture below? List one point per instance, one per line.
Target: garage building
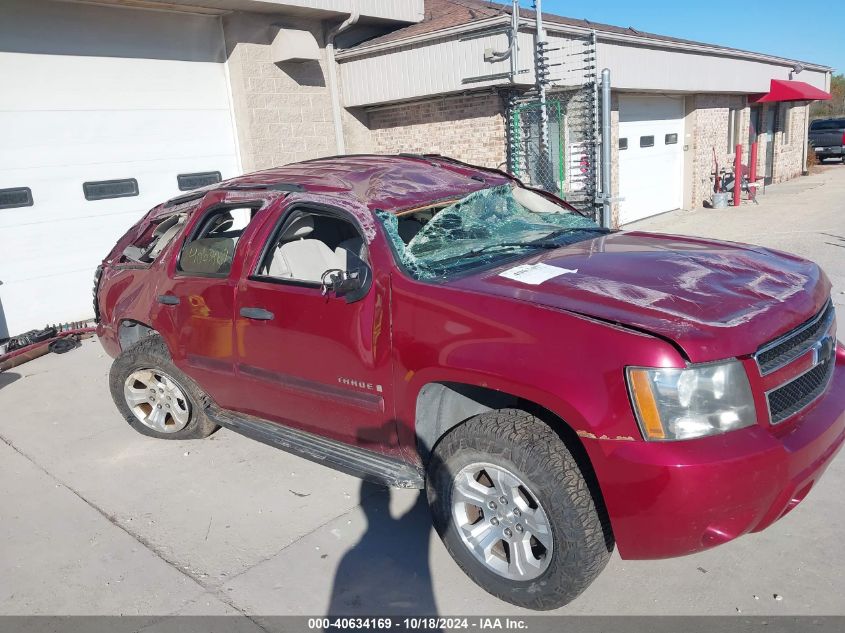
(111, 106)
(678, 106)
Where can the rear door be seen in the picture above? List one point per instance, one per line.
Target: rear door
(310, 359)
(194, 305)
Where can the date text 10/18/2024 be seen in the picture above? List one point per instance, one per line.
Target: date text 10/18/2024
(418, 623)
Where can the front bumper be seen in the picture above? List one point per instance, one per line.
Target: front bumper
(109, 339)
(834, 150)
(676, 498)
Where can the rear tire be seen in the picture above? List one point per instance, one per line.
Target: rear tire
(513, 460)
(155, 397)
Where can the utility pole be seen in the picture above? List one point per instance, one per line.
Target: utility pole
(541, 77)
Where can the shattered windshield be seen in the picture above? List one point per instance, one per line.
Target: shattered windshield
(480, 229)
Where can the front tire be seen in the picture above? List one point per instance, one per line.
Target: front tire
(154, 397)
(515, 511)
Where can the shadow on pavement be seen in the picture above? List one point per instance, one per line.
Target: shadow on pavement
(387, 571)
(7, 378)
(4, 328)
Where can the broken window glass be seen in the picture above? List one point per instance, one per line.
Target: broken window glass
(482, 228)
(154, 238)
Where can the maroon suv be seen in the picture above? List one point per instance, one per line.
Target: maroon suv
(556, 387)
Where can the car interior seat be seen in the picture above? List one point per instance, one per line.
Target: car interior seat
(165, 233)
(298, 257)
(408, 228)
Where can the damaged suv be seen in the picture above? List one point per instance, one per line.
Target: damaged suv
(557, 388)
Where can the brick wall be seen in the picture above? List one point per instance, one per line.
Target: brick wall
(710, 131)
(467, 127)
(283, 111)
(789, 148)
(614, 158)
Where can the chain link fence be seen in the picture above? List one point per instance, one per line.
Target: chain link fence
(565, 162)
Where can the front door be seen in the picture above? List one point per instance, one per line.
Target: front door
(306, 357)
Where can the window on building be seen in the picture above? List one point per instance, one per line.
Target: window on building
(187, 182)
(670, 139)
(623, 143)
(646, 141)
(734, 126)
(785, 121)
(105, 189)
(14, 197)
(754, 122)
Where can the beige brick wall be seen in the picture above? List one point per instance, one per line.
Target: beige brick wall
(614, 158)
(467, 127)
(283, 111)
(789, 148)
(710, 131)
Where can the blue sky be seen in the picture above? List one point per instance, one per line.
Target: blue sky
(814, 34)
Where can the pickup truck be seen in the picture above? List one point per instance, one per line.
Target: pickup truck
(557, 389)
(827, 136)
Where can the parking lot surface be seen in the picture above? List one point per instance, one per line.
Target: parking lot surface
(97, 519)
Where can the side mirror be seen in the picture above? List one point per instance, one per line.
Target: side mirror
(352, 285)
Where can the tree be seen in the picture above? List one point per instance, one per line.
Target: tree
(834, 106)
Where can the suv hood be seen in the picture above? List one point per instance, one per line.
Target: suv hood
(714, 299)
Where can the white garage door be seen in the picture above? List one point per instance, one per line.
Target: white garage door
(651, 164)
(94, 94)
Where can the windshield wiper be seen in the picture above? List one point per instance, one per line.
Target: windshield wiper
(547, 242)
(578, 229)
(489, 247)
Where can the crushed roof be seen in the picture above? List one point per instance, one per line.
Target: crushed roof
(378, 181)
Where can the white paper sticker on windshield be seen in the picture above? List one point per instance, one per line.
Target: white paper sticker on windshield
(535, 274)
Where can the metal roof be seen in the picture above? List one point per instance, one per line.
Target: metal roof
(447, 15)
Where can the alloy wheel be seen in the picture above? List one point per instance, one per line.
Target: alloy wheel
(501, 521)
(156, 400)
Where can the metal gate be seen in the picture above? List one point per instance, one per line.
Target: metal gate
(566, 161)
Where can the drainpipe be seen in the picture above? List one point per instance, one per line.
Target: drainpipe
(332, 76)
(515, 40)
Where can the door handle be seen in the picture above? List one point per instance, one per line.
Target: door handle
(258, 314)
(168, 300)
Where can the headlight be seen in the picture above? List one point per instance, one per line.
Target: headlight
(680, 404)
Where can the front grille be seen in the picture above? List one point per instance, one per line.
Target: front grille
(789, 399)
(791, 345)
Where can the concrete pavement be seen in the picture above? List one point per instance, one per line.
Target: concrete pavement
(97, 519)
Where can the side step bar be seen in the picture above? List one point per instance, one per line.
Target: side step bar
(352, 460)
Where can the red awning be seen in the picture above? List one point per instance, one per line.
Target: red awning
(783, 90)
